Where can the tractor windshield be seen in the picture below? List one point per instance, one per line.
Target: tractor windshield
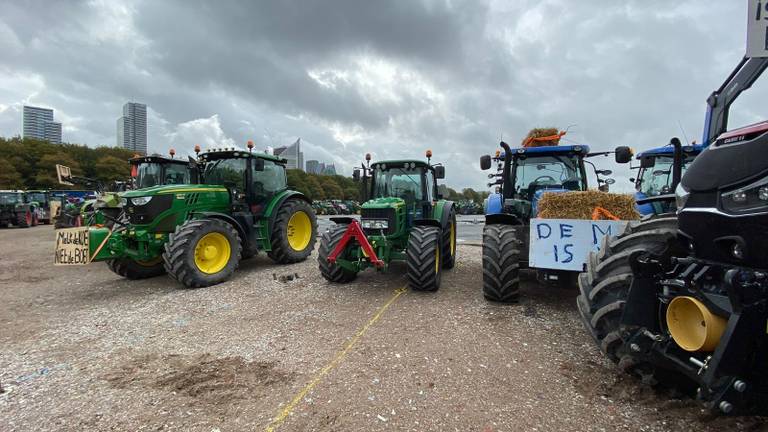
(38, 197)
(656, 180)
(546, 172)
(405, 183)
(226, 172)
(9, 198)
(153, 174)
(148, 175)
(175, 174)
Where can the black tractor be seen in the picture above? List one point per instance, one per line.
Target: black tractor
(681, 300)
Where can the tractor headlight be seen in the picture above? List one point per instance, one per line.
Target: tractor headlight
(681, 196)
(746, 199)
(140, 201)
(375, 223)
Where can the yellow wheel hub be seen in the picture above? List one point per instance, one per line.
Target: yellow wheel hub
(212, 253)
(437, 259)
(692, 325)
(299, 231)
(453, 238)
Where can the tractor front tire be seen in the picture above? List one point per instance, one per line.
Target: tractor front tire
(132, 269)
(423, 258)
(294, 232)
(202, 252)
(605, 285)
(24, 219)
(449, 241)
(328, 242)
(501, 263)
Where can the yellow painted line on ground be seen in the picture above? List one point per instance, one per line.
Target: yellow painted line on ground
(337, 359)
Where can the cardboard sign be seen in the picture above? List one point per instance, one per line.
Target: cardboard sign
(565, 244)
(757, 28)
(72, 246)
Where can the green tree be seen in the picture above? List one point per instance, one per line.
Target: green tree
(45, 175)
(9, 177)
(111, 168)
(315, 188)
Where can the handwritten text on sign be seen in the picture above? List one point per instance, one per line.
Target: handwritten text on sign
(564, 244)
(71, 246)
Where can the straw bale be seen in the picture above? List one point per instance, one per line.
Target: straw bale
(581, 205)
(541, 132)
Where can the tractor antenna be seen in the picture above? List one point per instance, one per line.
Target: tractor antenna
(683, 131)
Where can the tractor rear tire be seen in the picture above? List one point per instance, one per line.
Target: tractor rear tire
(423, 258)
(605, 285)
(202, 252)
(501, 263)
(132, 269)
(328, 242)
(294, 232)
(24, 219)
(449, 241)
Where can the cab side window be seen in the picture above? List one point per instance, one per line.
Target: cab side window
(269, 181)
(430, 185)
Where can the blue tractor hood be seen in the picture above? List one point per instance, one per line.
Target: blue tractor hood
(583, 150)
(668, 150)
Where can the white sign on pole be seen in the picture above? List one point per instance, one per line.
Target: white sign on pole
(757, 28)
(564, 244)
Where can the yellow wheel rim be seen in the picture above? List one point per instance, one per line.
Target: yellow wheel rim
(437, 259)
(299, 231)
(453, 238)
(212, 253)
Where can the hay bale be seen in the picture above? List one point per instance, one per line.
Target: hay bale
(581, 205)
(529, 141)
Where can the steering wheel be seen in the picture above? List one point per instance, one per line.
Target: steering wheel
(544, 177)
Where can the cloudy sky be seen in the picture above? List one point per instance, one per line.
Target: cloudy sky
(390, 77)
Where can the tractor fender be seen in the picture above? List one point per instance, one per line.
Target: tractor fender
(427, 222)
(271, 211)
(442, 212)
(226, 218)
(502, 218)
(342, 220)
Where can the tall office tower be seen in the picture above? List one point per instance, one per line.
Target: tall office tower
(292, 154)
(132, 128)
(313, 167)
(38, 123)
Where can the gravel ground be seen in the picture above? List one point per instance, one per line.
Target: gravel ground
(83, 349)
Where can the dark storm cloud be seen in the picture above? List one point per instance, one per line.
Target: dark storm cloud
(392, 77)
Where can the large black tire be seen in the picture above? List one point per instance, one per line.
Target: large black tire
(289, 241)
(24, 219)
(423, 258)
(605, 284)
(328, 242)
(449, 241)
(501, 263)
(184, 250)
(131, 269)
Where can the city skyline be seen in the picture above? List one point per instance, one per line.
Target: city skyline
(132, 128)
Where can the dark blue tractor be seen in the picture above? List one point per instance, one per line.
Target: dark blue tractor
(523, 176)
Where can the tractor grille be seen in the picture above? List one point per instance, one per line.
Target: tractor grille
(387, 214)
(146, 214)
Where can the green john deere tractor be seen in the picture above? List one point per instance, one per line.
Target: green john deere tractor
(197, 233)
(402, 219)
(16, 208)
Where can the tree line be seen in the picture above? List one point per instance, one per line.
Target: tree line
(31, 164)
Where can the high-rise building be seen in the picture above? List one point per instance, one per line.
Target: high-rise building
(329, 169)
(313, 167)
(292, 154)
(38, 123)
(132, 128)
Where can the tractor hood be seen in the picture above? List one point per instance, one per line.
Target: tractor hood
(379, 203)
(173, 189)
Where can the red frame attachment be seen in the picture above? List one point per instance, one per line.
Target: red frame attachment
(354, 230)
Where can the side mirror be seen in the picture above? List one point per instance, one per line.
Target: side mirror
(439, 172)
(623, 154)
(632, 179)
(356, 174)
(647, 162)
(258, 164)
(609, 181)
(485, 162)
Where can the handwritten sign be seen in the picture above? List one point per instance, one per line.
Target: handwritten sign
(757, 28)
(72, 246)
(565, 244)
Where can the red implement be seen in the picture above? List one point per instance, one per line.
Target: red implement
(355, 231)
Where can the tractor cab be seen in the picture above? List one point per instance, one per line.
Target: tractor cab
(148, 171)
(252, 179)
(658, 175)
(529, 172)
